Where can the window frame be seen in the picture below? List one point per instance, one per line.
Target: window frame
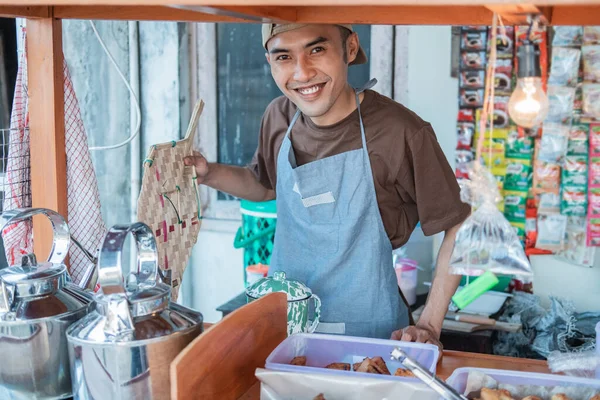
(224, 215)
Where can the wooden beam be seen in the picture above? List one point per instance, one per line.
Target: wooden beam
(396, 15)
(254, 13)
(24, 11)
(47, 124)
(576, 15)
(138, 13)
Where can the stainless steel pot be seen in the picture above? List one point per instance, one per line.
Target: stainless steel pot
(38, 303)
(123, 349)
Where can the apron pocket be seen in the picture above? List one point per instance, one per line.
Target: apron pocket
(326, 241)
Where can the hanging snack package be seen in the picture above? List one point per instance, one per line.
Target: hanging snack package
(519, 147)
(578, 140)
(591, 35)
(504, 42)
(465, 132)
(493, 156)
(574, 201)
(473, 40)
(473, 60)
(578, 102)
(561, 100)
(594, 130)
(591, 100)
(576, 250)
(503, 76)
(593, 233)
(591, 63)
(501, 118)
(466, 115)
(514, 206)
(472, 79)
(551, 231)
(567, 36)
(594, 170)
(574, 172)
(594, 201)
(549, 203)
(518, 174)
(554, 143)
(486, 242)
(463, 159)
(546, 178)
(471, 98)
(564, 67)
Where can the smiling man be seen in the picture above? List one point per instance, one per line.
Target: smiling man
(353, 173)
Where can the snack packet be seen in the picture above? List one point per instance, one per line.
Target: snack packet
(473, 40)
(518, 175)
(551, 231)
(518, 147)
(564, 67)
(567, 36)
(591, 35)
(514, 206)
(591, 63)
(549, 203)
(471, 98)
(463, 158)
(465, 132)
(578, 140)
(493, 156)
(594, 201)
(574, 201)
(591, 100)
(561, 100)
(594, 139)
(472, 79)
(594, 171)
(473, 60)
(466, 115)
(554, 143)
(593, 233)
(546, 178)
(576, 250)
(574, 172)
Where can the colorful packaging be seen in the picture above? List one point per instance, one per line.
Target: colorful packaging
(594, 170)
(561, 100)
(473, 40)
(574, 201)
(551, 231)
(530, 232)
(591, 63)
(567, 36)
(594, 201)
(503, 76)
(554, 143)
(466, 115)
(594, 139)
(514, 206)
(473, 60)
(593, 233)
(578, 102)
(591, 99)
(591, 35)
(463, 159)
(546, 178)
(471, 98)
(472, 79)
(574, 172)
(520, 230)
(518, 174)
(564, 67)
(549, 203)
(519, 146)
(504, 42)
(493, 156)
(576, 251)
(465, 132)
(578, 140)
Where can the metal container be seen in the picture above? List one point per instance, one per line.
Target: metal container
(123, 349)
(38, 302)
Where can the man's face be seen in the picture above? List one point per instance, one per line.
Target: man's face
(308, 66)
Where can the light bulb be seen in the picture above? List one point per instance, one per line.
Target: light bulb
(528, 104)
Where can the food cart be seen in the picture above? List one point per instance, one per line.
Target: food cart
(222, 361)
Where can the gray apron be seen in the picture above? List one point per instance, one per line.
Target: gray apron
(330, 236)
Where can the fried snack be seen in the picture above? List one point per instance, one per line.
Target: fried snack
(340, 366)
(380, 366)
(491, 394)
(560, 396)
(367, 366)
(532, 398)
(404, 372)
(356, 365)
(320, 397)
(596, 397)
(300, 360)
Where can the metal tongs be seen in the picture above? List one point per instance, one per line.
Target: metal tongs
(424, 375)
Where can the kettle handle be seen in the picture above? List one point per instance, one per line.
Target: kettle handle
(60, 238)
(110, 272)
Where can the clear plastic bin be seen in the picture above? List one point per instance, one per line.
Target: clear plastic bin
(458, 379)
(321, 350)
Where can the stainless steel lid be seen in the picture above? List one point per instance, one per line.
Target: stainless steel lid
(23, 287)
(137, 309)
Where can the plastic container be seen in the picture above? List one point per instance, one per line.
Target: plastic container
(458, 379)
(256, 272)
(487, 304)
(321, 350)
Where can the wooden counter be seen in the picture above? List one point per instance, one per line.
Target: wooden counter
(249, 334)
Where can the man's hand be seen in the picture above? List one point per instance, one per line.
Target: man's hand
(200, 163)
(421, 334)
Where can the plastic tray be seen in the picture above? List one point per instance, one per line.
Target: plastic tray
(458, 379)
(321, 350)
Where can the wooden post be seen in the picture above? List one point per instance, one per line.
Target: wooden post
(47, 125)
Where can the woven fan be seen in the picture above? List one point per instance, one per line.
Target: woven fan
(169, 202)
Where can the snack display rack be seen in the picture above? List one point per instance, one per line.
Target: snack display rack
(221, 362)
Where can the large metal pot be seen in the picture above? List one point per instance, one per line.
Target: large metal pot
(38, 303)
(123, 349)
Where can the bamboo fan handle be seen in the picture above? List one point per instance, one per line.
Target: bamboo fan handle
(191, 130)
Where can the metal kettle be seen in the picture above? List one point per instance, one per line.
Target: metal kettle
(123, 349)
(38, 302)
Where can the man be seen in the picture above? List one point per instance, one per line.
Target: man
(354, 172)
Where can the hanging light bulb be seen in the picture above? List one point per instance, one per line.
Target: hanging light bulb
(528, 104)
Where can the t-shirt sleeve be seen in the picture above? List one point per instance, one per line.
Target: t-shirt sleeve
(259, 165)
(427, 177)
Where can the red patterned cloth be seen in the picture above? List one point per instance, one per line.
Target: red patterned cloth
(84, 213)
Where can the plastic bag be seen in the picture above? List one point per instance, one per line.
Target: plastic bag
(486, 241)
(591, 63)
(564, 68)
(591, 35)
(561, 100)
(581, 364)
(567, 36)
(554, 144)
(591, 99)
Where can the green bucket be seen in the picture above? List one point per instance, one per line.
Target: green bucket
(257, 233)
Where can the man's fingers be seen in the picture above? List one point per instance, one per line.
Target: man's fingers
(396, 335)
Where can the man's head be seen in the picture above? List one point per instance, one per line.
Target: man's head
(309, 63)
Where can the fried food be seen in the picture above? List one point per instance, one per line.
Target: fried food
(404, 372)
(532, 398)
(380, 366)
(596, 397)
(300, 360)
(367, 366)
(560, 396)
(492, 394)
(320, 397)
(340, 366)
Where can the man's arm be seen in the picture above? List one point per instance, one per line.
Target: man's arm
(429, 326)
(236, 181)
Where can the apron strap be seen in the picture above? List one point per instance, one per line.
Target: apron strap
(367, 85)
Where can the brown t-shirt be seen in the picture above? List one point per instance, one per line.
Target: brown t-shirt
(413, 180)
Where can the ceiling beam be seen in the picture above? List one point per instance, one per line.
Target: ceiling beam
(252, 13)
(576, 15)
(24, 11)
